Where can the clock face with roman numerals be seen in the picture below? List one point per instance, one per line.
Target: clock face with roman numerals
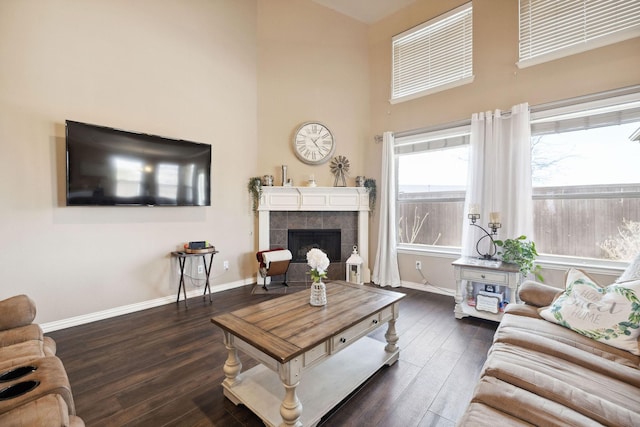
(313, 143)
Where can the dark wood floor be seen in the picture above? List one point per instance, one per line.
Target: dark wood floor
(163, 367)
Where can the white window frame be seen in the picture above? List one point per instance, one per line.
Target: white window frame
(425, 140)
(551, 29)
(575, 109)
(434, 56)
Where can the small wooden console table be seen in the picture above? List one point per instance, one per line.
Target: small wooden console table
(313, 356)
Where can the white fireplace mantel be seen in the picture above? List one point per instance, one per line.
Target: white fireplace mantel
(327, 199)
(314, 199)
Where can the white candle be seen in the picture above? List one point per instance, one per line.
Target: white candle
(494, 217)
(474, 209)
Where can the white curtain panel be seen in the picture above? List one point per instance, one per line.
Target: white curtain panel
(499, 177)
(386, 271)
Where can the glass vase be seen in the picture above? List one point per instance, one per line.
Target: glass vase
(318, 294)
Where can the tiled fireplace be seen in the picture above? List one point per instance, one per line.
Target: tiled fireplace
(344, 226)
(344, 210)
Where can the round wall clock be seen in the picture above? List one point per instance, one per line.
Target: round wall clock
(313, 143)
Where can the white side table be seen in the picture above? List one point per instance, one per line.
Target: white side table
(471, 273)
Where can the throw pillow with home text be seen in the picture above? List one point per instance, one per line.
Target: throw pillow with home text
(608, 314)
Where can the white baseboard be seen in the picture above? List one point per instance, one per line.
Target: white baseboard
(131, 308)
(428, 288)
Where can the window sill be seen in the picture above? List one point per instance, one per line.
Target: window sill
(598, 266)
(427, 250)
(551, 262)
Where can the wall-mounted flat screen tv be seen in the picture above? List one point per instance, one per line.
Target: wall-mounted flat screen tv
(112, 167)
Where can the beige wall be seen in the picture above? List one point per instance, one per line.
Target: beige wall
(498, 81)
(183, 69)
(498, 84)
(240, 75)
(312, 66)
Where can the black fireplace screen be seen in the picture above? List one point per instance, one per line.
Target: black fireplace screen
(301, 241)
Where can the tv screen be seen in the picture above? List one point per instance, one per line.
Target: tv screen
(112, 167)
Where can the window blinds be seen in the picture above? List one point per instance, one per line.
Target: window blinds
(551, 29)
(433, 56)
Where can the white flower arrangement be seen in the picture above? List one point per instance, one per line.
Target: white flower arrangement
(319, 263)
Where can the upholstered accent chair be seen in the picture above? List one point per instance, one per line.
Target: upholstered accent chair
(34, 387)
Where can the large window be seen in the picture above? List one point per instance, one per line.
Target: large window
(432, 179)
(551, 29)
(585, 176)
(433, 56)
(586, 182)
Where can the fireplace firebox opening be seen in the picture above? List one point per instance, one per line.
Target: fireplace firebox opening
(301, 241)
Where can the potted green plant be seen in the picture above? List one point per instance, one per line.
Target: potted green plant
(255, 189)
(521, 252)
(370, 185)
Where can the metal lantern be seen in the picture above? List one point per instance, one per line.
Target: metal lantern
(354, 267)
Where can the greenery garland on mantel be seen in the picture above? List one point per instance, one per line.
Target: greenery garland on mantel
(370, 185)
(255, 189)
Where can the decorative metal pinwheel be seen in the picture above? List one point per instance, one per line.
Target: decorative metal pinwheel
(340, 169)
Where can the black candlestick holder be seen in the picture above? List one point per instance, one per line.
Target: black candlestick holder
(493, 226)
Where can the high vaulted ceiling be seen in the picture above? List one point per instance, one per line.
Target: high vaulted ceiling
(368, 11)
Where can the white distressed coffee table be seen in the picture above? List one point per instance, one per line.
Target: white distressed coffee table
(310, 357)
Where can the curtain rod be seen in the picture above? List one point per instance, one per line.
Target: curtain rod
(378, 138)
(533, 109)
(586, 98)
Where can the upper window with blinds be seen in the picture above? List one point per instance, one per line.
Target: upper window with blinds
(551, 29)
(433, 56)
